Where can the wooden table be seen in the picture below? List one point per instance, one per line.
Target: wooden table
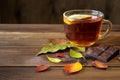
(20, 42)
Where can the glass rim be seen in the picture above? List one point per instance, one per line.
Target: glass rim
(64, 14)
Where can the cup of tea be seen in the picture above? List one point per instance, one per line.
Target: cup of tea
(83, 27)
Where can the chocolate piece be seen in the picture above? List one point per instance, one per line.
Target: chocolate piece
(102, 47)
(94, 51)
(105, 57)
(112, 50)
(102, 52)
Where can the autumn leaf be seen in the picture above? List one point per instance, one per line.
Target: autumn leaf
(73, 67)
(80, 49)
(54, 47)
(41, 68)
(55, 60)
(99, 64)
(75, 54)
(59, 55)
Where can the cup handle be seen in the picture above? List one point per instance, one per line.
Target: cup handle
(108, 24)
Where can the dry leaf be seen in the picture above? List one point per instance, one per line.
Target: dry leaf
(55, 60)
(59, 55)
(41, 68)
(99, 64)
(73, 67)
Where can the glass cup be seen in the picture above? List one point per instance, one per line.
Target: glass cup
(83, 27)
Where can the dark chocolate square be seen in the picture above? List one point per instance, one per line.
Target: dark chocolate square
(111, 50)
(102, 47)
(104, 56)
(93, 51)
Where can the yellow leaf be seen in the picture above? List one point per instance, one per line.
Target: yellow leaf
(73, 67)
(55, 60)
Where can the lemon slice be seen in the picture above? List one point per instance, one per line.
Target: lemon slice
(79, 17)
(67, 22)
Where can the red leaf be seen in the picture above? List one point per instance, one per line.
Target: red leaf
(59, 55)
(99, 64)
(41, 68)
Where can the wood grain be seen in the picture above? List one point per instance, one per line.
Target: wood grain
(57, 73)
(40, 27)
(19, 47)
(50, 11)
(20, 43)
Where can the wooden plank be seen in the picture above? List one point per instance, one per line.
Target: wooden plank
(30, 38)
(26, 56)
(19, 48)
(32, 27)
(39, 27)
(24, 39)
(57, 73)
(18, 60)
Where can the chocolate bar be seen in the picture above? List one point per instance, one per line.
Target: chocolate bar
(102, 52)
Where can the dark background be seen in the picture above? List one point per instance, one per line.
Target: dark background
(50, 11)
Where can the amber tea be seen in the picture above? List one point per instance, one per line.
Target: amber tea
(82, 29)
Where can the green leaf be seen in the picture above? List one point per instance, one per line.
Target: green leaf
(81, 49)
(69, 45)
(55, 60)
(54, 47)
(75, 54)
